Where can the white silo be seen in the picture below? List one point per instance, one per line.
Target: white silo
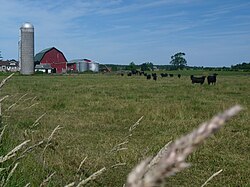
(26, 49)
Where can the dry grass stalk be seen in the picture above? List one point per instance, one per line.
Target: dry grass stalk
(127, 137)
(210, 178)
(10, 174)
(119, 164)
(29, 149)
(49, 142)
(1, 107)
(136, 124)
(82, 162)
(3, 98)
(14, 104)
(47, 179)
(121, 149)
(31, 106)
(5, 80)
(28, 184)
(158, 156)
(50, 137)
(173, 160)
(11, 106)
(91, 177)
(33, 99)
(1, 135)
(136, 175)
(118, 146)
(12, 153)
(37, 121)
(53, 132)
(29, 98)
(70, 184)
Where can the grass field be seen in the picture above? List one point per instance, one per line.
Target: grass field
(96, 111)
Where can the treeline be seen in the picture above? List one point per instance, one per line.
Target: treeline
(148, 66)
(243, 66)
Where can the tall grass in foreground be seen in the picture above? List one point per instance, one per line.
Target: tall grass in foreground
(171, 159)
(68, 158)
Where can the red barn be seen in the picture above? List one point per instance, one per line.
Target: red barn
(54, 57)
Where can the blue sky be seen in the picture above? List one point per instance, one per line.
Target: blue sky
(210, 32)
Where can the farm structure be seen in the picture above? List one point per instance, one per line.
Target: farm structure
(45, 68)
(82, 65)
(9, 66)
(26, 49)
(54, 58)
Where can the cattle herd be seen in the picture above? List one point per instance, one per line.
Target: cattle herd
(211, 79)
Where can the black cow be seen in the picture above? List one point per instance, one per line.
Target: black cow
(211, 79)
(141, 73)
(122, 74)
(154, 75)
(164, 74)
(171, 75)
(197, 79)
(179, 75)
(148, 77)
(135, 72)
(129, 74)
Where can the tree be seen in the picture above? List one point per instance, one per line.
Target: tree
(131, 66)
(178, 60)
(147, 66)
(242, 66)
(1, 58)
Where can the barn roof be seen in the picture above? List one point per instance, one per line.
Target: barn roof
(79, 60)
(39, 56)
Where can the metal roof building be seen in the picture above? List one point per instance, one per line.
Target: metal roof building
(82, 65)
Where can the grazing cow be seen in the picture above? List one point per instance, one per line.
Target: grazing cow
(211, 79)
(122, 74)
(135, 72)
(141, 73)
(148, 77)
(179, 75)
(197, 79)
(154, 76)
(164, 74)
(171, 75)
(129, 74)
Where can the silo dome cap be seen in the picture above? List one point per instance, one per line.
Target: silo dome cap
(27, 25)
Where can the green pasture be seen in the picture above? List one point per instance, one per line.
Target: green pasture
(96, 112)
